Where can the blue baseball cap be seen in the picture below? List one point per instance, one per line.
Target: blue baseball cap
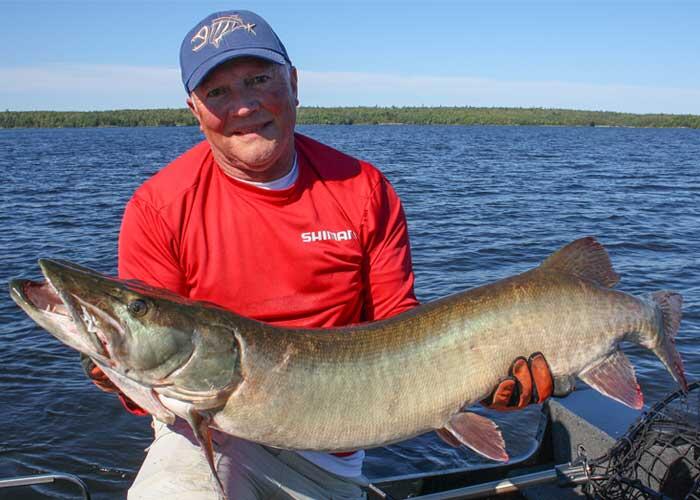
(223, 36)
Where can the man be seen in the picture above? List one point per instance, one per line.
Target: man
(275, 226)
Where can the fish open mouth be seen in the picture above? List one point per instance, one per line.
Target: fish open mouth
(64, 316)
(57, 306)
(44, 297)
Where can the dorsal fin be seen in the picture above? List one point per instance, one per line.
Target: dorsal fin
(585, 258)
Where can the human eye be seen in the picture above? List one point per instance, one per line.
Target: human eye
(257, 80)
(216, 92)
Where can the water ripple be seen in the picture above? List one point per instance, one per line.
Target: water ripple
(482, 203)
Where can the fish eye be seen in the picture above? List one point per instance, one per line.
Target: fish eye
(137, 307)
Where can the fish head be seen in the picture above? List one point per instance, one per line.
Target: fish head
(151, 336)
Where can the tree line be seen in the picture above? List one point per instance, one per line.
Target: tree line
(356, 116)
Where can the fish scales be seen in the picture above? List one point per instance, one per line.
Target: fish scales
(397, 371)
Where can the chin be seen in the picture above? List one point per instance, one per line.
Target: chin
(259, 161)
(260, 153)
(256, 161)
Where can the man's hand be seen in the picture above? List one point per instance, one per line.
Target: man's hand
(529, 381)
(96, 375)
(101, 380)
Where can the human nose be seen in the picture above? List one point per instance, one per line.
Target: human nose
(243, 104)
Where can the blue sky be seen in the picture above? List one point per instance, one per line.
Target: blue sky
(618, 55)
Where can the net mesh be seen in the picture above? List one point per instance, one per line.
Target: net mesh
(659, 456)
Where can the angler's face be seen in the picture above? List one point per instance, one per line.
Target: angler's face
(246, 108)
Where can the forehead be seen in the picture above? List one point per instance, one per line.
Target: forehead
(239, 66)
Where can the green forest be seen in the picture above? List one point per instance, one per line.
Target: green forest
(357, 116)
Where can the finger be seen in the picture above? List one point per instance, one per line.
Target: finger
(520, 370)
(106, 387)
(503, 395)
(542, 376)
(86, 362)
(101, 381)
(131, 406)
(99, 378)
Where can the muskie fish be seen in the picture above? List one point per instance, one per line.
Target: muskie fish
(361, 386)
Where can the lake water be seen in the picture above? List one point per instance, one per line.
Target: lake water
(482, 203)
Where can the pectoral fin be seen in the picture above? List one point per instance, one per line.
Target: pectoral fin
(614, 377)
(200, 427)
(139, 394)
(479, 433)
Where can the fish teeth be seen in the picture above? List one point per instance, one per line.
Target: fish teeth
(89, 320)
(56, 309)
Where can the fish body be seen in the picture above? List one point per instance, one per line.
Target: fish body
(365, 385)
(359, 387)
(346, 389)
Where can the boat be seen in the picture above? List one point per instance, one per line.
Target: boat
(575, 434)
(579, 449)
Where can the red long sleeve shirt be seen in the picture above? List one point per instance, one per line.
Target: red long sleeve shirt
(330, 250)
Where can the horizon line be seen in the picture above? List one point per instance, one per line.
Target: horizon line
(365, 106)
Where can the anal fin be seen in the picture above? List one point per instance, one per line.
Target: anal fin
(448, 438)
(479, 433)
(614, 376)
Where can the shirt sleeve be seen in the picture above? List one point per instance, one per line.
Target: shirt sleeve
(388, 270)
(148, 250)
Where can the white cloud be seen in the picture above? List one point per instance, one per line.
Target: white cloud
(96, 87)
(350, 89)
(90, 87)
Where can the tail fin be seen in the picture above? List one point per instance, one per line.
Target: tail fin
(670, 304)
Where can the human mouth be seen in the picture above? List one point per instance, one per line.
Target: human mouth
(250, 129)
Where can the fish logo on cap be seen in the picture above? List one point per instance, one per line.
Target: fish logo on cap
(219, 28)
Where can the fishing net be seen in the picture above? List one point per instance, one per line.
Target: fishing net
(658, 457)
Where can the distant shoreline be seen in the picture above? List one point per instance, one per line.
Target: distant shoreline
(359, 116)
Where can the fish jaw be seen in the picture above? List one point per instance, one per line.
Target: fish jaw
(42, 303)
(90, 323)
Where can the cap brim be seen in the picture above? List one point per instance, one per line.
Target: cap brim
(207, 66)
